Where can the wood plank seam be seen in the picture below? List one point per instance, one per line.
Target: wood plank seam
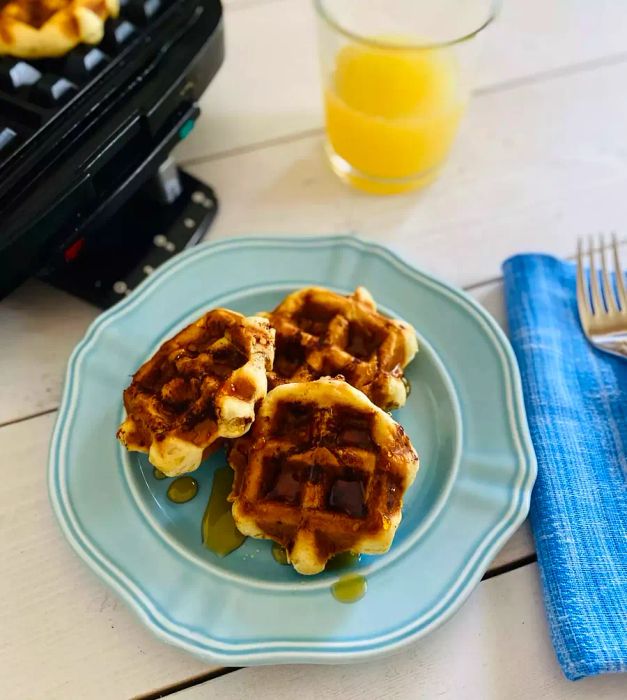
(553, 74)
(511, 566)
(189, 683)
(252, 147)
(21, 419)
(494, 280)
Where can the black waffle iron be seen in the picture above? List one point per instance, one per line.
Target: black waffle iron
(89, 198)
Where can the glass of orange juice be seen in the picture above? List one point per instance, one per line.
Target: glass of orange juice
(396, 78)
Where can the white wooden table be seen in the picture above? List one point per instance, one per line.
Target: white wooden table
(542, 160)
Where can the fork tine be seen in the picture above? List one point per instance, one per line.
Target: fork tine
(595, 292)
(618, 273)
(607, 286)
(583, 302)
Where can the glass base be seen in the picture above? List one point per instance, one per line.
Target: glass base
(377, 185)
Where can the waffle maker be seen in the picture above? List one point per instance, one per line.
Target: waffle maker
(90, 200)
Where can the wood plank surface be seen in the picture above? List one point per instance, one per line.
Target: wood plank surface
(39, 328)
(497, 646)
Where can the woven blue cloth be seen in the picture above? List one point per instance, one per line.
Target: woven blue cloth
(576, 400)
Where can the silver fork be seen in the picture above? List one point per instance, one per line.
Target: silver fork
(603, 315)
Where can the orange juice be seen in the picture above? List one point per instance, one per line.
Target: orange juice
(392, 114)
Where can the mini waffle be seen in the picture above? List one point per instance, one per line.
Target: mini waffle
(322, 333)
(48, 28)
(322, 471)
(201, 385)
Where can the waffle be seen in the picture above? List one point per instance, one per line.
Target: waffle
(201, 385)
(322, 471)
(48, 28)
(322, 333)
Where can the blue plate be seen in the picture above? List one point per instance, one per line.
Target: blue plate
(465, 416)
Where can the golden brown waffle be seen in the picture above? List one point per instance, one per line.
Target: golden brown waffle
(321, 333)
(322, 471)
(201, 385)
(47, 28)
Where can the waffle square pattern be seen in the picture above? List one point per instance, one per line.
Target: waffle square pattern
(201, 385)
(322, 471)
(322, 333)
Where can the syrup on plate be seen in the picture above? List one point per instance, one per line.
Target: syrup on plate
(183, 489)
(219, 533)
(349, 588)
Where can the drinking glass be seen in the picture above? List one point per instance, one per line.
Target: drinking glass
(396, 76)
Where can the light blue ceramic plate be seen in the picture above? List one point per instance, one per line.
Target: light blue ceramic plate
(465, 416)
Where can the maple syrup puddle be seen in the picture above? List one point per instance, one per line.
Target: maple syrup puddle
(350, 588)
(219, 533)
(182, 490)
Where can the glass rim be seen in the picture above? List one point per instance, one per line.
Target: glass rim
(495, 6)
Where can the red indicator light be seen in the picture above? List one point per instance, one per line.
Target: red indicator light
(72, 251)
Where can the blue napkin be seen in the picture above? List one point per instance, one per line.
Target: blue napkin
(576, 399)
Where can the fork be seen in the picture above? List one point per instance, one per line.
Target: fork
(603, 314)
